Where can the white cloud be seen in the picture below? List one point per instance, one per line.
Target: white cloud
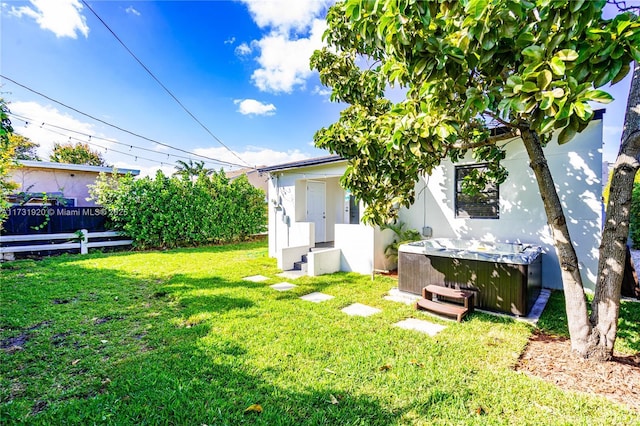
(46, 135)
(284, 62)
(251, 106)
(243, 49)
(131, 10)
(230, 40)
(286, 15)
(62, 17)
(321, 91)
(161, 148)
(254, 155)
(293, 30)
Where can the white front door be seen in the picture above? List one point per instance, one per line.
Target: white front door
(316, 208)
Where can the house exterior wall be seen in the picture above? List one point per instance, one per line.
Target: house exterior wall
(576, 169)
(73, 184)
(287, 195)
(361, 247)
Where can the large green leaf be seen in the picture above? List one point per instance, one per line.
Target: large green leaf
(544, 79)
(476, 8)
(566, 135)
(547, 101)
(598, 96)
(567, 55)
(529, 87)
(557, 66)
(533, 52)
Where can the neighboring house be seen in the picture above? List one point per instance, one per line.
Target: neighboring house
(59, 181)
(255, 178)
(308, 206)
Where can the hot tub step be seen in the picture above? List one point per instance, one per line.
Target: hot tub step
(442, 308)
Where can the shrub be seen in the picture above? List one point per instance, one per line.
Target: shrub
(176, 211)
(402, 236)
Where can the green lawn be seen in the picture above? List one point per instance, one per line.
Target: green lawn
(177, 337)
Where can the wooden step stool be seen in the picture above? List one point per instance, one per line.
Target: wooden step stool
(442, 307)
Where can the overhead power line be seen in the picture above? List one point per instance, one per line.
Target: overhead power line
(30, 120)
(162, 85)
(118, 127)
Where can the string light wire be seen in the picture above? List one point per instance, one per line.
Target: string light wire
(90, 137)
(118, 127)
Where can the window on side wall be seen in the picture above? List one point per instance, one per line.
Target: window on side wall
(483, 205)
(354, 210)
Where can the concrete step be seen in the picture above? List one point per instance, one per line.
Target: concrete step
(300, 266)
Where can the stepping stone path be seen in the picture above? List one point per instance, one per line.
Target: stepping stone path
(358, 309)
(316, 297)
(256, 278)
(283, 286)
(420, 325)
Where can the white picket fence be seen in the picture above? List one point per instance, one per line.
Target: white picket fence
(81, 241)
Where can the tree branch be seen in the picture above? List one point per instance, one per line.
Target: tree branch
(622, 6)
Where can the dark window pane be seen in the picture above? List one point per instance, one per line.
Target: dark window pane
(483, 205)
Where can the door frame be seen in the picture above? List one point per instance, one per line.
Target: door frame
(324, 207)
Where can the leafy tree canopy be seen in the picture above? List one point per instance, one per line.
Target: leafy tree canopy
(24, 148)
(79, 153)
(6, 158)
(469, 67)
(191, 169)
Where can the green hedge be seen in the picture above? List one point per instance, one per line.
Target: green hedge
(177, 212)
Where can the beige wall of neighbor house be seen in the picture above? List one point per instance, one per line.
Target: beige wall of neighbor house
(72, 180)
(255, 179)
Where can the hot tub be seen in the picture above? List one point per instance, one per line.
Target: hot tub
(505, 277)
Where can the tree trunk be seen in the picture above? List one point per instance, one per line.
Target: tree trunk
(576, 304)
(606, 301)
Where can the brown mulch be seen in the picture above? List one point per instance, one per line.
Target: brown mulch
(550, 358)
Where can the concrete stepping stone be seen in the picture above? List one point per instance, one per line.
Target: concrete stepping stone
(420, 325)
(360, 310)
(284, 286)
(291, 275)
(396, 295)
(256, 278)
(316, 297)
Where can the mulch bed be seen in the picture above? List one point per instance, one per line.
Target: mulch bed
(550, 358)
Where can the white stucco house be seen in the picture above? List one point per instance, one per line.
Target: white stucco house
(309, 208)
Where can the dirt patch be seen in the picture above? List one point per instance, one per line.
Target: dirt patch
(60, 339)
(38, 407)
(14, 344)
(549, 358)
(98, 321)
(63, 301)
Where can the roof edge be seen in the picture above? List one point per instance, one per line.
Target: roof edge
(302, 163)
(75, 167)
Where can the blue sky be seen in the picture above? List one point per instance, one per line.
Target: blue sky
(240, 67)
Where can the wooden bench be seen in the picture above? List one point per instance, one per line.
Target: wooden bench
(434, 304)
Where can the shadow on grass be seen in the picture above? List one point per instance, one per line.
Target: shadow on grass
(162, 372)
(202, 390)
